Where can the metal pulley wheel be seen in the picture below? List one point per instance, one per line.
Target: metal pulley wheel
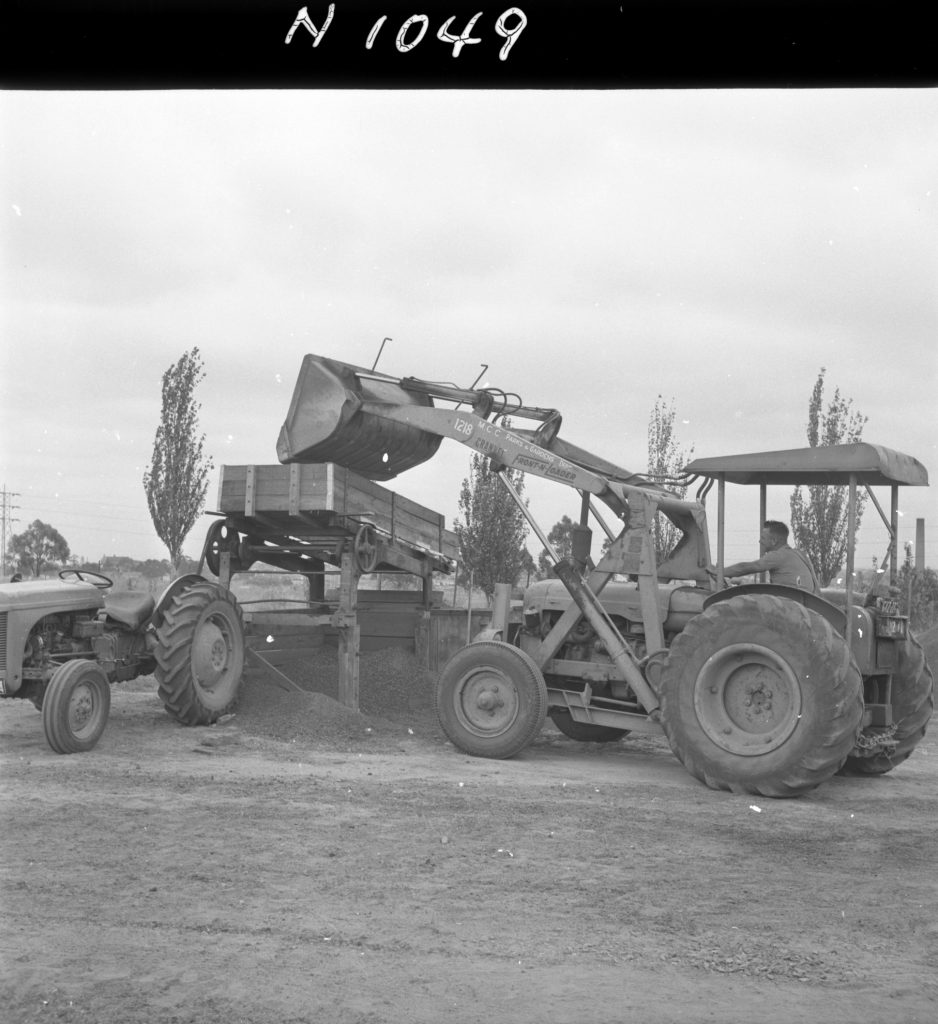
(365, 548)
(221, 538)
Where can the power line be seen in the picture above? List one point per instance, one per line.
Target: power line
(6, 521)
(65, 514)
(77, 501)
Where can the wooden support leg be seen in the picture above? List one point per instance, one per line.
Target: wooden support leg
(346, 621)
(422, 639)
(423, 626)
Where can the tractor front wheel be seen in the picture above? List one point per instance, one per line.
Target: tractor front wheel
(491, 699)
(912, 705)
(761, 695)
(200, 654)
(75, 706)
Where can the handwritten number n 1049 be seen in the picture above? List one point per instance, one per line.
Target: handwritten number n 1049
(414, 28)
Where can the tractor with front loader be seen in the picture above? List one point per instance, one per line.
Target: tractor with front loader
(759, 688)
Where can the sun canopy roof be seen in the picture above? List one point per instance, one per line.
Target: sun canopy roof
(871, 464)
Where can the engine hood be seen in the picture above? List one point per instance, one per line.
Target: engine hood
(51, 595)
(618, 598)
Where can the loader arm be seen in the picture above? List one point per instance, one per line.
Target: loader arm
(513, 451)
(380, 426)
(505, 447)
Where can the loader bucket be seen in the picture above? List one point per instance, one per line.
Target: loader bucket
(327, 424)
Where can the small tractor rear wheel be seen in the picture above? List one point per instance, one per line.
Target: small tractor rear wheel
(75, 706)
(912, 704)
(761, 695)
(200, 654)
(584, 732)
(491, 699)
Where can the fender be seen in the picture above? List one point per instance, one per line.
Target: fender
(834, 615)
(177, 586)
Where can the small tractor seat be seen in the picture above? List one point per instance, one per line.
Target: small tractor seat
(129, 608)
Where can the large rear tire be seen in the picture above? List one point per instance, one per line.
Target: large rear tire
(200, 654)
(760, 695)
(913, 702)
(75, 706)
(491, 699)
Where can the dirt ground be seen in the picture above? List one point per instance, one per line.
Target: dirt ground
(302, 863)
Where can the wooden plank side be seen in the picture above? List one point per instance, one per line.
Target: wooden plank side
(401, 525)
(249, 490)
(403, 520)
(415, 509)
(272, 489)
(231, 483)
(370, 644)
(324, 487)
(449, 544)
(390, 505)
(396, 623)
(416, 530)
(379, 598)
(276, 485)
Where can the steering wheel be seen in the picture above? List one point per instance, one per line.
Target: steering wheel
(96, 579)
(727, 584)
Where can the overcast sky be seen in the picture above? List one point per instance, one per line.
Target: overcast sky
(594, 248)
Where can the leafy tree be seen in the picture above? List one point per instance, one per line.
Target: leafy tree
(177, 479)
(918, 591)
(186, 564)
(37, 546)
(560, 540)
(819, 522)
(492, 529)
(118, 563)
(154, 568)
(528, 566)
(666, 459)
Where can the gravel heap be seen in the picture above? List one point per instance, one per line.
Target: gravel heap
(395, 701)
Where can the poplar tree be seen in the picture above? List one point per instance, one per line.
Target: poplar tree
(666, 460)
(491, 529)
(561, 540)
(177, 479)
(819, 521)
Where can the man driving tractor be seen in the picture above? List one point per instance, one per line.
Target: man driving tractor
(785, 565)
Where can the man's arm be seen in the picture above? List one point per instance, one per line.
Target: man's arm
(748, 568)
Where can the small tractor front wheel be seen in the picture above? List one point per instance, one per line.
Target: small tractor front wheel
(584, 732)
(760, 695)
(75, 706)
(912, 704)
(491, 699)
(200, 654)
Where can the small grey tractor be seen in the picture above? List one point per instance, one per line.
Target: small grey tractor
(63, 642)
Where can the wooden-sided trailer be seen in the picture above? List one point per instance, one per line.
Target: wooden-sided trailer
(304, 516)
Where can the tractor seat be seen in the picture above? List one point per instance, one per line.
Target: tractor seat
(129, 608)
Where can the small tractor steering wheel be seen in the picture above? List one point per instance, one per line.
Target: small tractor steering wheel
(96, 579)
